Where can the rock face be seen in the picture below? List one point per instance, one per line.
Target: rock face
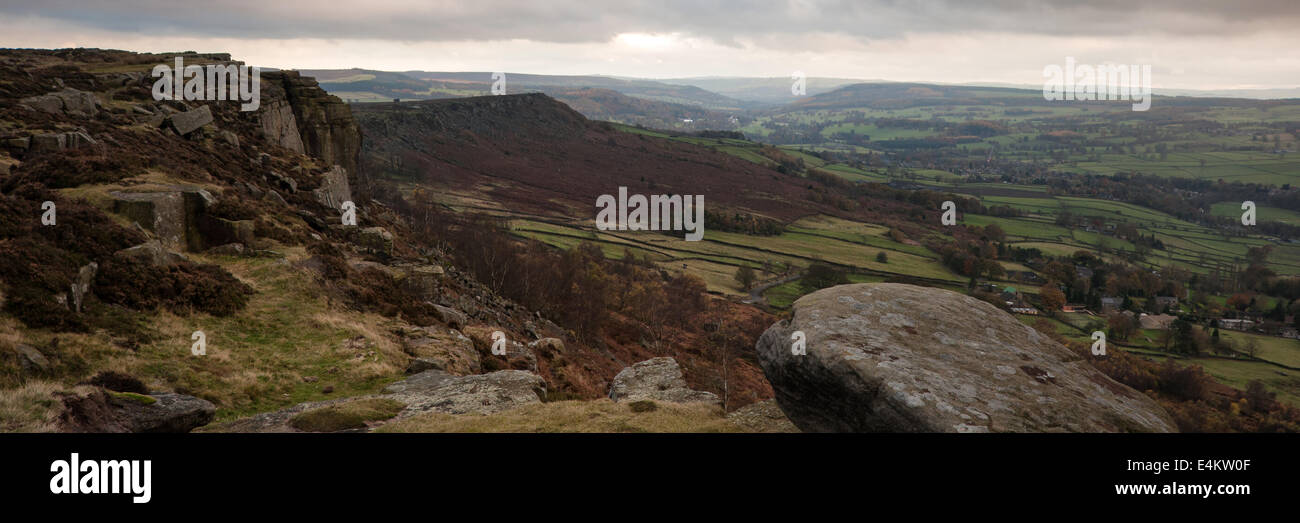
(889, 357)
(325, 127)
(334, 188)
(656, 379)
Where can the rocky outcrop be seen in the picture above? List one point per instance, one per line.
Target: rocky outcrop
(447, 350)
(422, 281)
(326, 128)
(107, 411)
(174, 214)
(278, 124)
(889, 357)
(451, 317)
(70, 101)
(437, 391)
(517, 355)
(657, 379)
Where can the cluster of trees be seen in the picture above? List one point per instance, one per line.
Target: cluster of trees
(1196, 402)
(974, 251)
(740, 222)
(578, 288)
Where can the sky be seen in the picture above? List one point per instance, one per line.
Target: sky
(1189, 44)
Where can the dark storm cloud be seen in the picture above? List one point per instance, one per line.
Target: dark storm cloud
(721, 21)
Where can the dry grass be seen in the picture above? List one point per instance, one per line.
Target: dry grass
(31, 407)
(603, 416)
(285, 348)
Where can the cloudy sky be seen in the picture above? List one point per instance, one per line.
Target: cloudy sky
(1195, 44)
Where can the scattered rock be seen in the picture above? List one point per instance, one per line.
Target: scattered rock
(422, 281)
(229, 137)
(78, 139)
(85, 276)
(190, 121)
(282, 181)
(150, 252)
(548, 346)
(229, 249)
(52, 142)
(32, 359)
(21, 143)
(274, 197)
(71, 101)
(762, 416)
(517, 355)
(220, 231)
(657, 379)
(887, 357)
(375, 239)
(451, 317)
(448, 351)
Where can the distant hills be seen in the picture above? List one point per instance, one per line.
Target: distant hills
(707, 103)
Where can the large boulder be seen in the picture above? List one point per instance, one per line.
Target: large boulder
(106, 411)
(656, 379)
(166, 413)
(173, 213)
(887, 357)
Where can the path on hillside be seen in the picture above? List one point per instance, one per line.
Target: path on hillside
(756, 294)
